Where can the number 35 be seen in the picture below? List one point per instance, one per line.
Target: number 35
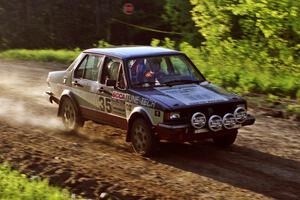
(105, 104)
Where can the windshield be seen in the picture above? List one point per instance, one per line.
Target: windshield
(162, 70)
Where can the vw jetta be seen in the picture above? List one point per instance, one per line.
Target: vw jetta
(153, 93)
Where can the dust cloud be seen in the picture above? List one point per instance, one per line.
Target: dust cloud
(21, 99)
(16, 112)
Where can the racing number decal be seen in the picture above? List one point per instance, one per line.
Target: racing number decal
(105, 104)
(108, 105)
(101, 104)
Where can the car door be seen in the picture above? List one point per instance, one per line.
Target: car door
(112, 93)
(84, 84)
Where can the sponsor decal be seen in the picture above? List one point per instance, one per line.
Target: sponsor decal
(157, 113)
(140, 101)
(133, 99)
(119, 95)
(192, 94)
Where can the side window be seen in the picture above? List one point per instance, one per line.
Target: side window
(92, 68)
(136, 67)
(88, 68)
(110, 70)
(80, 70)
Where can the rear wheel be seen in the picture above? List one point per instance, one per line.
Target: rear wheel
(143, 140)
(227, 139)
(70, 117)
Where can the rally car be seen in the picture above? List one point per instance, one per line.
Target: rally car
(154, 93)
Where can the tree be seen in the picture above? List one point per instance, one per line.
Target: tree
(270, 24)
(178, 14)
(261, 37)
(77, 23)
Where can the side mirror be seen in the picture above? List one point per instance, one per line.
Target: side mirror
(110, 82)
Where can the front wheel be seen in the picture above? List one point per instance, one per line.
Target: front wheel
(143, 140)
(70, 117)
(227, 139)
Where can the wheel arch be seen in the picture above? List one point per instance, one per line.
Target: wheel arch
(137, 113)
(70, 95)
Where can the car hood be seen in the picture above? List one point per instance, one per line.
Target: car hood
(188, 95)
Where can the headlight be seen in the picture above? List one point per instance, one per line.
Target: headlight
(172, 116)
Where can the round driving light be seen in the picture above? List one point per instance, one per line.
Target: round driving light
(198, 120)
(229, 121)
(240, 114)
(215, 123)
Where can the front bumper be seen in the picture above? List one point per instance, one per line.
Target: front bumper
(185, 132)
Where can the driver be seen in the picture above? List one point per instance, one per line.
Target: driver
(154, 64)
(149, 71)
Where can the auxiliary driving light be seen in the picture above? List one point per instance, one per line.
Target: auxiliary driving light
(229, 121)
(198, 120)
(240, 114)
(215, 123)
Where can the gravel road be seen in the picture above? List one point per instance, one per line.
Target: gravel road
(264, 163)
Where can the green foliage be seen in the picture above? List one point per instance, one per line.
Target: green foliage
(228, 68)
(272, 98)
(298, 95)
(46, 55)
(294, 109)
(102, 44)
(177, 13)
(14, 185)
(251, 45)
(167, 43)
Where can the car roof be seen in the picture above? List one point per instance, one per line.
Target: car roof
(132, 51)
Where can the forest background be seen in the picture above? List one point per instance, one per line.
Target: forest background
(246, 46)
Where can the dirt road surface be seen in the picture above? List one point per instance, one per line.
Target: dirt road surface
(264, 163)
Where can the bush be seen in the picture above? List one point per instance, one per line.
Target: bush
(14, 185)
(228, 67)
(250, 45)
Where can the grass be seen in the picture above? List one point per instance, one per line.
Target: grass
(15, 186)
(45, 55)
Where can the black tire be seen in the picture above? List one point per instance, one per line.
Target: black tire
(143, 140)
(69, 115)
(227, 139)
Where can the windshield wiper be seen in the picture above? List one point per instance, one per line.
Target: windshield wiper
(151, 83)
(175, 82)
